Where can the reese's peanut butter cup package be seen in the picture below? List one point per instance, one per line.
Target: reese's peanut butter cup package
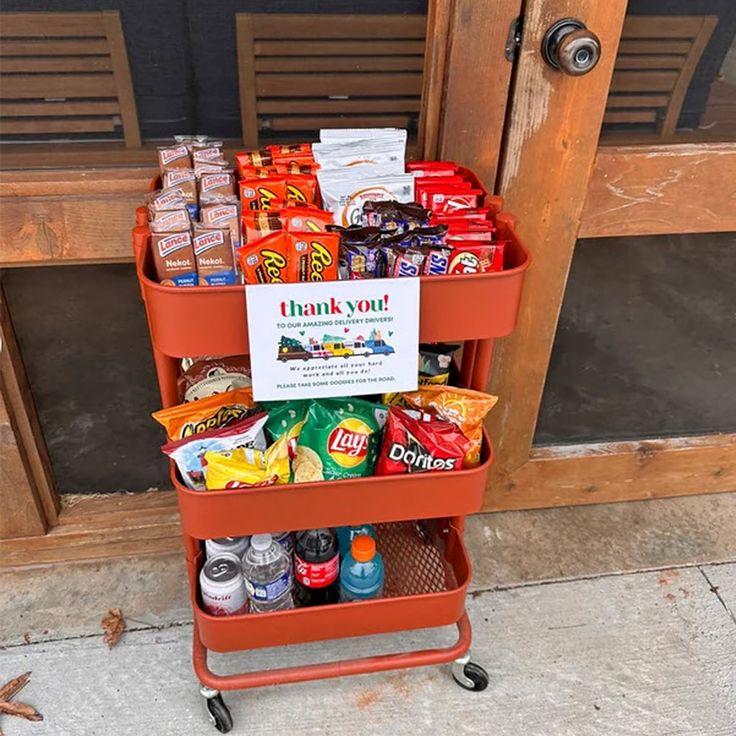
(220, 410)
(262, 193)
(265, 261)
(340, 439)
(313, 256)
(301, 188)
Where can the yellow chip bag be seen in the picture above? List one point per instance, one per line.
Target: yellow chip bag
(245, 467)
(461, 406)
(194, 417)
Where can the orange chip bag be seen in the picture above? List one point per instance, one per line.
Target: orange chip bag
(301, 188)
(305, 219)
(313, 256)
(259, 194)
(259, 223)
(265, 261)
(461, 406)
(185, 420)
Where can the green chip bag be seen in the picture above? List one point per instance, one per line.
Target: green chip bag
(340, 439)
(286, 417)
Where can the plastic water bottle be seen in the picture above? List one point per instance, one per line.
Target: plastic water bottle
(346, 534)
(361, 572)
(268, 575)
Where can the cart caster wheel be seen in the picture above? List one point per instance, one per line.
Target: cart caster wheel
(217, 711)
(469, 675)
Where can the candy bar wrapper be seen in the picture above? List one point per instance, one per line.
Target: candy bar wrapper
(174, 157)
(301, 188)
(214, 254)
(469, 258)
(259, 223)
(361, 262)
(305, 219)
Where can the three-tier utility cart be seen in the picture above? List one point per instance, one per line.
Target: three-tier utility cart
(427, 566)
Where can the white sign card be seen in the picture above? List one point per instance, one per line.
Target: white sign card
(333, 338)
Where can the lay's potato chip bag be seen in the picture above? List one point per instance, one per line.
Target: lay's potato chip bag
(340, 439)
(286, 418)
(194, 417)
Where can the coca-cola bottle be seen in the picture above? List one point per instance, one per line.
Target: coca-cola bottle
(316, 567)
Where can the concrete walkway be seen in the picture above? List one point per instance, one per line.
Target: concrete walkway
(645, 653)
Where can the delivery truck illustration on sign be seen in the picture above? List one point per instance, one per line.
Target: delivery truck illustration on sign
(331, 346)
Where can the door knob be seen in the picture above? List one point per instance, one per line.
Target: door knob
(570, 47)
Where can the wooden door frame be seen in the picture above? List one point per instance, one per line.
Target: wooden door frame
(561, 185)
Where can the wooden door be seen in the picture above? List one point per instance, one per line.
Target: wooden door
(646, 175)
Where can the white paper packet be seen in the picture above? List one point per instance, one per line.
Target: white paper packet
(387, 154)
(342, 135)
(344, 196)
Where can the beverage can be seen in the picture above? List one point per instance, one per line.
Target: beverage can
(236, 545)
(222, 586)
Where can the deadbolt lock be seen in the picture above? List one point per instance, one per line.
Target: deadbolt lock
(570, 47)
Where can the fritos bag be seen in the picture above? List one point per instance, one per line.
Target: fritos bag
(245, 467)
(194, 417)
(461, 406)
(339, 439)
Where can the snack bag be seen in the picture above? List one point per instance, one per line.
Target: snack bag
(245, 467)
(313, 256)
(265, 261)
(208, 376)
(260, 194)
(247, 159)
(286, 418)
(219, 410)
(411, 445)
(214, 254)
(435, 361)
(462, 406)
(189, 452)
(174, 157)
(291, 151)
(339, 439)
(342, 135)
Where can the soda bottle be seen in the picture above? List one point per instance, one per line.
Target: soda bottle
(346, 534)
(268, 576)
(316, 567)
(361, 572)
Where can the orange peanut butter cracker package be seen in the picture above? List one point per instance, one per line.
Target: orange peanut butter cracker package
(220, 410)
(461, 406)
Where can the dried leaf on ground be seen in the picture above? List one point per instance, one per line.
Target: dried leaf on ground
(14, 686)
(21, 710)
(113, 625)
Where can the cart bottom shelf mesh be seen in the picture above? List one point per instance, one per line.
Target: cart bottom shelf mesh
(414, 559)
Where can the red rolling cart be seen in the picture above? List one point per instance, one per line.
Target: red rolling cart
(427, 573)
